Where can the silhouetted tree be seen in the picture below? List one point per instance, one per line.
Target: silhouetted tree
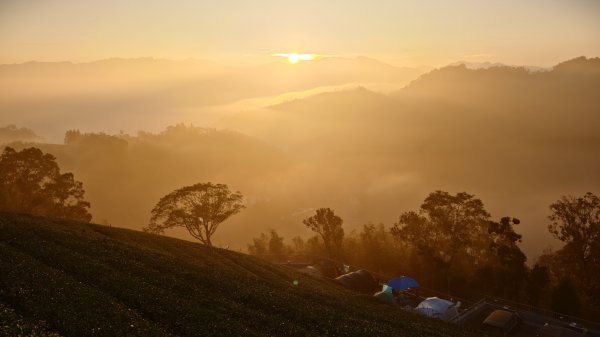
(270, 246)
(376, 245)
(71, 136)
(259, 245)
(314, 246)
(199, 208)
(12, 133)
(31, 182)
(276, 246)
(576, 222)
(298, 245)
(539, 277)
(447, 230)
(329, 227)
(510, 260)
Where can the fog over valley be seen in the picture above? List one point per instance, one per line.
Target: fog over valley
(365, 138)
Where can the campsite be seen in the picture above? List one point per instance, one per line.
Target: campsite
(405, 293)
(74, 279)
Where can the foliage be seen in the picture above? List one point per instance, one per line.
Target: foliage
(12, 133)
(259, 245)
(507, 258)
(200, 208)
(576, 222)
(539, 278)
(447, 231)
(85, 279)
(95, 140)
(329, 227)
(377, 249)
(453, 245)
(276, 246)
(31, 182)
(269, 245)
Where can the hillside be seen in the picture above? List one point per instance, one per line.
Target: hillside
(85, 279)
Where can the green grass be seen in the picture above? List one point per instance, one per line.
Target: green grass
(78, 279)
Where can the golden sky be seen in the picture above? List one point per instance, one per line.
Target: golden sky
(410, 33)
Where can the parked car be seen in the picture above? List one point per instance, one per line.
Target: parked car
(501, 322)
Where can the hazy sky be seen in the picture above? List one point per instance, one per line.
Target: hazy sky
(533, 32)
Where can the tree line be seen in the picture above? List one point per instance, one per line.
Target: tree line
(450, 243)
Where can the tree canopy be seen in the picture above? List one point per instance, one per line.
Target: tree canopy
(445, 226)
(576, 222)
(454, 237)
(199, 208)
(31, 182)
(329, 227)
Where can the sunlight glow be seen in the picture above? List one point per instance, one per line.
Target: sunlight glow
(295, 58)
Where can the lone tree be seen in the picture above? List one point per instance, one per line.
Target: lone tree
(329, 227)
(31, 182)
(200, 208)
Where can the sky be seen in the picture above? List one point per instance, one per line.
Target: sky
(405, 33)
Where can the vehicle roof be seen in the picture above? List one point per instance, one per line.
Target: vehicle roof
(499, 318)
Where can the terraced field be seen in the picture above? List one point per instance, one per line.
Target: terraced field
(66, 278)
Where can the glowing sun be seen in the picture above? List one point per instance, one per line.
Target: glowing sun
(295, 57)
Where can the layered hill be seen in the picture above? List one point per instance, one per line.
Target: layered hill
(59, 277)
(515, 138)
(150, 93)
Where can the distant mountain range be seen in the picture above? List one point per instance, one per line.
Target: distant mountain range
(487, 65)
(517, 139)
(150, 93)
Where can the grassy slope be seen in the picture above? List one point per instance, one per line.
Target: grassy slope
(83, 279)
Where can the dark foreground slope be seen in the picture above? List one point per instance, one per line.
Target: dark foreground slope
(79, 279)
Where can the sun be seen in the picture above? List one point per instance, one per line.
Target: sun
(294, 58)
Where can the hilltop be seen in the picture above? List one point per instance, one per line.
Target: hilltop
(79, 279)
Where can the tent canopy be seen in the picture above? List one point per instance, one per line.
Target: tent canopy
(385, 295)
(436, 307)
(402, 283)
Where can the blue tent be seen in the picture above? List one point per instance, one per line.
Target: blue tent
(402, 283)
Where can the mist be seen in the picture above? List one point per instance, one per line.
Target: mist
(365, 138)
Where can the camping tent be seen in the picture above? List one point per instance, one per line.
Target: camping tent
(360, 281)
(437, 308)
(402, 283)
(386, 295)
